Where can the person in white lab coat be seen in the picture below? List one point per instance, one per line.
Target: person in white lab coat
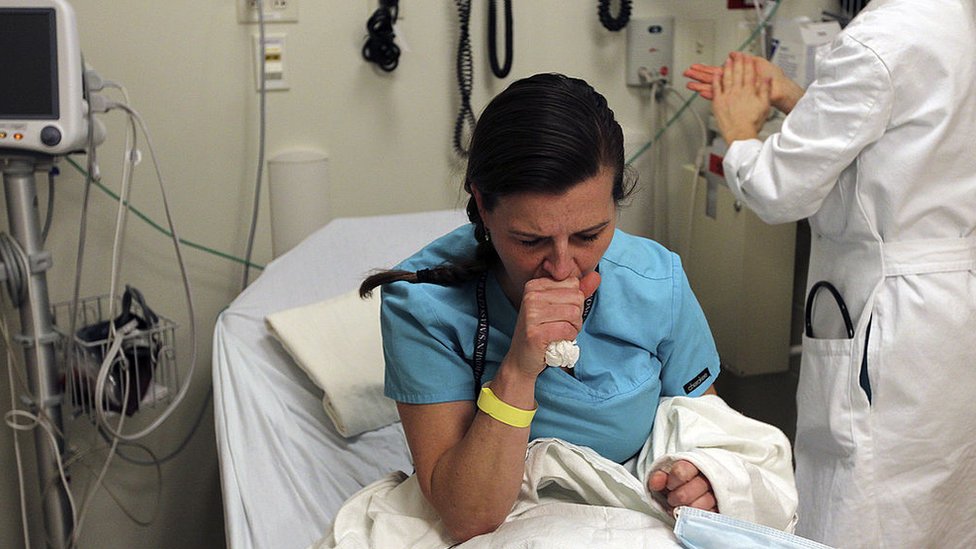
(878, 153)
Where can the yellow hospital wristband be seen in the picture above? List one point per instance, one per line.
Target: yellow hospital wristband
(503, 412)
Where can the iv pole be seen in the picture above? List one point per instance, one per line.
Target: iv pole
(36, 326)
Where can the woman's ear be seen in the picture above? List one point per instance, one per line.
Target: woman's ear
(479, 202)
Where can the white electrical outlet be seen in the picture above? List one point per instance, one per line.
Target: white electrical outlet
(275, 11)
(650, 50)
(272, 67)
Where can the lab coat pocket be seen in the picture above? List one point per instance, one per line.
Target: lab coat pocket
(826, 412)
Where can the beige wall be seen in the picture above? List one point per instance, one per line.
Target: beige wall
(188, 68)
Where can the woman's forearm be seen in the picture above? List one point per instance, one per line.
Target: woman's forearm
(475, 483)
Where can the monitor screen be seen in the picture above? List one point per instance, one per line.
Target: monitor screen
(28, 63)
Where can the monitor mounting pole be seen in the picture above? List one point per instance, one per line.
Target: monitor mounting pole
(37, 331)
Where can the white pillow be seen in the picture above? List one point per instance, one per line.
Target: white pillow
(337, 342)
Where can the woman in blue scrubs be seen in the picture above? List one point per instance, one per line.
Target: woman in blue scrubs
(467, 321)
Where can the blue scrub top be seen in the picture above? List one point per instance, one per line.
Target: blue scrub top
(645, 337)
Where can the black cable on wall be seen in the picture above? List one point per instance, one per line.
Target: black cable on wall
(379, 47)
(614, 22)
(500, 71)
(465, 77)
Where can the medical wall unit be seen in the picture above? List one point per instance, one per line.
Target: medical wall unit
(742, 270)
(650, 51)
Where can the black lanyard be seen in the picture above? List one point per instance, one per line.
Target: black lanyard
(481, 334)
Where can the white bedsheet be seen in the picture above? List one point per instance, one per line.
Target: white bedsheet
(284, 469)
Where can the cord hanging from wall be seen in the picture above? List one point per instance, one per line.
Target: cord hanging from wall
(379, 47)
(500, 71)
(614, 22)
(465, 77)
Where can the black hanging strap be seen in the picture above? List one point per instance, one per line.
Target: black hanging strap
(500, 71)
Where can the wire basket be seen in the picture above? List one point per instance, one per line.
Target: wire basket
(142, 374)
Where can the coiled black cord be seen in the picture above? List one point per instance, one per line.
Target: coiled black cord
(379, 47)
(500, 72)
(465, 76)
(610, 22)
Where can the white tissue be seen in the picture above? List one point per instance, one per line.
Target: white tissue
(563, 353)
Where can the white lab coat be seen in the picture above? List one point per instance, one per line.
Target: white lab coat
(880, 154)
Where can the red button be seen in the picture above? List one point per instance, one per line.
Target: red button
(715, 164)
(664, 70)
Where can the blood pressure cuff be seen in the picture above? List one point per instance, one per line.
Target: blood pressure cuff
(135, 363)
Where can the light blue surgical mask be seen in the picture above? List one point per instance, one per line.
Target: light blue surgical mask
(698, 529)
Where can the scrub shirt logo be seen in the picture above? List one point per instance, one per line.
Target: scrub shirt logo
(698, 380)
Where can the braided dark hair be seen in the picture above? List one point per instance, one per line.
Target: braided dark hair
(543, 134)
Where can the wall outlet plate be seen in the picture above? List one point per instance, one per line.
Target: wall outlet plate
(273, 64)
(275, 11)
(650, 50)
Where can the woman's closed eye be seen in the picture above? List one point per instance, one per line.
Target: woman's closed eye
(530, 242)
(582, 237)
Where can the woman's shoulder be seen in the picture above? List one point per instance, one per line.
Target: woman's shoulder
(431, 301)
(639, 256)
(453, 247)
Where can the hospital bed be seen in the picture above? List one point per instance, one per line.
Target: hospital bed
(285, 470)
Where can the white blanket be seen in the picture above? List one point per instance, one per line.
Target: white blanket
(749, 463)
(573, 497)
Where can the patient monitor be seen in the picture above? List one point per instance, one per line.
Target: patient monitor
(42, 98)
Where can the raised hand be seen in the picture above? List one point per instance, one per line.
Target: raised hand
(783, 92)
(740, 100)
(550, 311)
(701, 78)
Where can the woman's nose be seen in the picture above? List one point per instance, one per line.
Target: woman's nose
(559, 264)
